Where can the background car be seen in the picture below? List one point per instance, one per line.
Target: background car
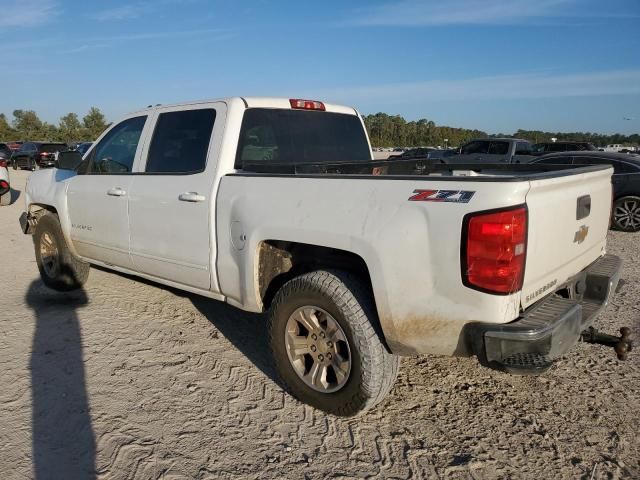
(5, 152)
(413, 153)
(626, 182)
(551, 147)
(34, 155)
(5, 188)
(494, 150)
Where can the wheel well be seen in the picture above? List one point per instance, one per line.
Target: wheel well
(280, 261)
(37, 210)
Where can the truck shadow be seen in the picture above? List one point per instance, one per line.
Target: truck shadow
(248, 332)
(63, 441)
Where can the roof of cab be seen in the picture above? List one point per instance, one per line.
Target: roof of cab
(255, 102)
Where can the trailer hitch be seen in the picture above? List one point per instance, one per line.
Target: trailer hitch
(622, 344)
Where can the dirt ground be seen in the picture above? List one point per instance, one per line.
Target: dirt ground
(129, 379)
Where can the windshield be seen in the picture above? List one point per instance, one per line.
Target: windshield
(298, 136)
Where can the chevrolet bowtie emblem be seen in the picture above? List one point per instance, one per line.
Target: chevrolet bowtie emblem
(581, 234)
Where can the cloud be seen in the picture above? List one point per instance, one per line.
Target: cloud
(26, 13)
(459, 12)
(124, 12)
(62, 45)
(133, 10)
(500, 87)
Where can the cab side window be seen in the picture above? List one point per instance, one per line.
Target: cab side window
(117, 150)
(181, 141)
(475, 147)
(499, 148)
(523, 148)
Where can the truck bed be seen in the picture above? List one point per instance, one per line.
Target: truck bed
(503, 172)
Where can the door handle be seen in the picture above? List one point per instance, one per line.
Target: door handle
(116, 192)
(191, 197)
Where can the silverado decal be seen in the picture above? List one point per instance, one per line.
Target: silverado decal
(457, 196)
(541, 290)
(81, 227)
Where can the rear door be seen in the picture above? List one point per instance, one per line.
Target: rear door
(171, 205)
(498, 152)
(624, 175)
(523, 153)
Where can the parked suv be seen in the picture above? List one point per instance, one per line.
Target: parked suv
(34, 155)
(625, 179)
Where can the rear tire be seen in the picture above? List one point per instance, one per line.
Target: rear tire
(626, 214)
(347, 376)
(59, 269)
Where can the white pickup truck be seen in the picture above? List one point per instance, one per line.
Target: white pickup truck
(276, 205)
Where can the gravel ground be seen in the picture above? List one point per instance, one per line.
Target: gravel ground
(129, 379)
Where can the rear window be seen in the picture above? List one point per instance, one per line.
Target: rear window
(297, 136)
(52, 147)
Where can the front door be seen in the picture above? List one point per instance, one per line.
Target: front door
(172, 198)
(98, 196)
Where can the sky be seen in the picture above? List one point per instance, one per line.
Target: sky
(495, 65)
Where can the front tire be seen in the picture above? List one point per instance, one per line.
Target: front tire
(626, 214)
(327, 343)
(59, 269)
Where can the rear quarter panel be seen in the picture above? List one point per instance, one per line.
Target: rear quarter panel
(411, 248)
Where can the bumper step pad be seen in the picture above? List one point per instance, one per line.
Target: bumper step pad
(548, 329)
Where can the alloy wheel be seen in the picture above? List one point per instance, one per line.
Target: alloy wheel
(627, 214)
(49, 255)
(318, 349)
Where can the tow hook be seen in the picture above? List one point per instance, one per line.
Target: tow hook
(622, 344)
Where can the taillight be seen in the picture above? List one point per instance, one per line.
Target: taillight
(494, 249)
(4, 186)
(3, 163)
(306, 104)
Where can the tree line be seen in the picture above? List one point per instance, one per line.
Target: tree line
(393, 131)
(384, 131)
(26, 125)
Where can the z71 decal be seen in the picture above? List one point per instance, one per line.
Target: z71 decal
(457, 196)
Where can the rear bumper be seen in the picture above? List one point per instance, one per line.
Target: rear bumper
(531, 343)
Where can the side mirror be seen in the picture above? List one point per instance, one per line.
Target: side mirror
(69, 160)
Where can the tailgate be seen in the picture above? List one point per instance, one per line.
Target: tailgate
(568, 224)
